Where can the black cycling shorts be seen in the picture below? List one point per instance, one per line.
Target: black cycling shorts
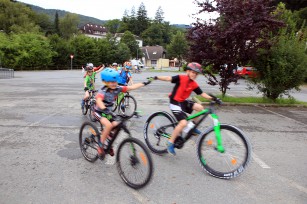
(179, 109)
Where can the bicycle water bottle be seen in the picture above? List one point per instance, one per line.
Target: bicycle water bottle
(188, 127)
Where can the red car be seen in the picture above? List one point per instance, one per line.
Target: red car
(247, 72)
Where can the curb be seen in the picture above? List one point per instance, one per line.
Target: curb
(252, 104)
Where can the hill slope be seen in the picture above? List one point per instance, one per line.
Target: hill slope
(62, 13)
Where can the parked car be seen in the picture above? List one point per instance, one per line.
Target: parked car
(247, 72)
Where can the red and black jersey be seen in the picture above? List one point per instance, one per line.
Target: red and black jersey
(183, 88)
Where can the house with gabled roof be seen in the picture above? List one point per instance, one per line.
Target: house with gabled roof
(94, 30)
(154, 56)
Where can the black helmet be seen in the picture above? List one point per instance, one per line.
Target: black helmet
(195, 67)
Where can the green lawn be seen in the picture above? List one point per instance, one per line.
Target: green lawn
(258, 100)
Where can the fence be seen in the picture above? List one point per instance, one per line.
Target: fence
(6, 73)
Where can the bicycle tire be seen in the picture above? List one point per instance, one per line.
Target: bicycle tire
(132, 155)
(127, 106)
(152, 137)
(85, 108)
(235, 158)
(88, 142)
(91, 112)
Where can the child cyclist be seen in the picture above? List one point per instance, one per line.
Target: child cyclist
(89, 81)
(179, 105)
(125, 77)
(105, 98)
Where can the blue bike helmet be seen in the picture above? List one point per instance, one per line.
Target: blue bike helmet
(128, 65)
(109, 74)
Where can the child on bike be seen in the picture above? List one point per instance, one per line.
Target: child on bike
(125, 76)
(89, 81)
(105, 99)
(179, 104)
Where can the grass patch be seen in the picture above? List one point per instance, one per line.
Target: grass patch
(279, 101)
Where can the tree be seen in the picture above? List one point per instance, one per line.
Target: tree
(62, 51)
(153, 35)
(159, 15)
(178, 46)
(27, 51)
(84, 50)
(113, 25)
(142, 20)
(16, 18)
(69, 25)
(283, 66)
(130, 41)
(292, 4)
(233, 38)
(56, 24)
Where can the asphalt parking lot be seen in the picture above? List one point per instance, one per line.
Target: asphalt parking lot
(41, 161)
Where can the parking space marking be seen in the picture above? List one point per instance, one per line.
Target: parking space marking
(259, 161)
(281, 115)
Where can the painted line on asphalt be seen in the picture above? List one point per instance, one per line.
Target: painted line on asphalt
(281, 115)
(143, 199)
(34, 124)
(292, 183)
(260, 162)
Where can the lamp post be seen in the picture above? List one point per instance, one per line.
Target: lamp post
(71, 57)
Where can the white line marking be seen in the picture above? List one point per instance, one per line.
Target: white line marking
(281, 115)
(260, 162)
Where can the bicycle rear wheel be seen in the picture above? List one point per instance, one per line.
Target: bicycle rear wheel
(156, 137)
(134, 163)
(233, 161)
(127, 106)
(88, 141)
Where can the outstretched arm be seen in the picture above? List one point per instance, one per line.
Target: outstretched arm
(163, 78)
(206, 96)
(135, 86)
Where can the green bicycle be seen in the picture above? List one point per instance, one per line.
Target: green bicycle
(223, 150)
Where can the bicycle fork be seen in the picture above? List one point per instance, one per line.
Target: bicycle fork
(217, 130)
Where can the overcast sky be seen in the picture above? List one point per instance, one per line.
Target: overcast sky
(175, 11)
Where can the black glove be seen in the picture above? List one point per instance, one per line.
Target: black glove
(146, 82)
(218, 101)
(85, 88)
(150, 79)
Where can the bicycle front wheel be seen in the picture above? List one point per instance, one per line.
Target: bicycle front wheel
(155, 136)
(233, 161)
(127, 106)
(91, 113)
(88, 141)
(134, 163)
(84, 108)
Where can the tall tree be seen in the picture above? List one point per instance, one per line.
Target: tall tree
(16, 18)
(283, 66)
(69, 25)
(56, 24)
(159, 15)
(130, 41)
(132, 22)
(142, 20)
(178, 46)
(113, 25)
(233, 38)
(292, 4)
(153, 35)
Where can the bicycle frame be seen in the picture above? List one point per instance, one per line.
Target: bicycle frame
(204, 113)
